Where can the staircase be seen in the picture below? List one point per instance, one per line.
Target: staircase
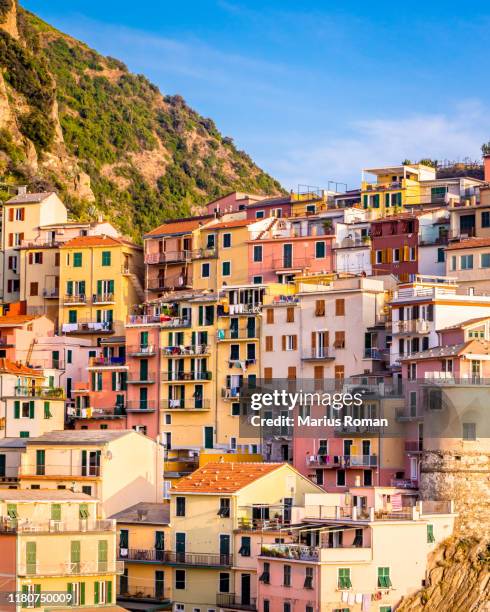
(135, 282)
(29, 352)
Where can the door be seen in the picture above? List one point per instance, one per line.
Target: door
(159, 584)
(208, 437)
(288, 504)
(347, 447)
(251, 327)
(143, 398)
(287, 256)
(159, 545)
(224, 549)
(467, 225)
(234, 329)
(144, 369)
(366, 452)
(245, 589)
(198, 396)
(180, 546)
(75, 556)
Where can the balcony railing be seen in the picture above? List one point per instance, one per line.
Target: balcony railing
(343, 461)
(141, 554)
(142, 350)
(103, 298)
(168, 257)
(68, 568)
(142, 378)
(235, 602)
(291, 551)
(9, 525)
(230, 393)
(60, 471)
(184, 351)
(144, 592)
(241, 309)
(237, 334)
(52, 393)
(162, 284)
(186, 376)
(75, 299)
(141, 406)
(204, 253)
(199, 559)
(374, 353)
(414, 446)
(166, 321)
(114, 362)
(252, 524)
(318, 354)
(87, 412)
(415, 326)
(145, 319)
(88, 327)
(186, 404)
(51, 293)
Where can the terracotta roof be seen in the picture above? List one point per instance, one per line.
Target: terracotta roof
(469, 243)
(43, 495)
(91, 241)
(229, 224)
(17, 319)
(10, 367)
(182, 226)
(223, 477)
(29, 198)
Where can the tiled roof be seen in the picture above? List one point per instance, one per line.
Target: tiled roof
(223, 477)
(42, 495)
(11, 367)
(230, 224)
(94, 241)
(145, 512)
(82, 436)
(467, 323)
(477, 347)
(469, 243)
(17, 319)
(182, 226)
(29, 198)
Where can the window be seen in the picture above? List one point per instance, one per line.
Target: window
(430, 534)
(72, 316)
(106, 258)
(257, 252)
(210, 244)
(265, 576)
(180, 506)
(320, 250)
(267, 606)
(441, 255)
(226, 268)
(287, 575)
(259, 214)
(286, 607)
(77, 260)
(466, 262)
(412, 371)
(235, 409)
(47, 411)
(319, 308)
(257, 280)
(224, 507)
(289, 343)
(224, 582)
(379, 257)
(245, 548)
(344, 581)
(226, 241)
(396, 255)
(308, 583)
(269, 343)
(485, 219)
(469, 431)
(290, 314)
(77, 591)
(412, 253)
(384, 580)
(339, 342)
(180, 579)
(485, 260)
(270, 316)
(34, 289)
(340, 308)
(205, 270)
(341, 478)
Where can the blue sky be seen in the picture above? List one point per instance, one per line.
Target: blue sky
(313, 91)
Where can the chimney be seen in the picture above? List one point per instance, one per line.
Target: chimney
(486, 167)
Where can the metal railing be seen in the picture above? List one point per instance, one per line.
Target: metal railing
(51, 293)
(130, 590)
(199, 559)
(237, 602)
(96, 362)
(75, 298)
(141, 405)
(319, 353)
(144, 319)
(186, 404)
(168, 257)
(174, 321)
(52, 393)
(141, 350)
(88, 327)
(141, 554)
(142, 377)
(186, 376)
(237, 334)
(68, 568)
(82, 525)
(57, 470)
(103, 298)
(184, 351)
(291, 551)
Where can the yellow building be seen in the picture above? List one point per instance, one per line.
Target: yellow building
(53, 541)
(99, 463)
(221, 257)
(208, 509)
(144, 536)
(100, 279)
(394, 188)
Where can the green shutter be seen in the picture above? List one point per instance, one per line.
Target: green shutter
(83, 511)
(72, 316)
(12, 511)
(47, 412)
(69, 288)
(69, 589)
(201, 315)
(106, 258)
(77, 260)
(96, 592)
(110, 285)
(387, 200)
(31, 409)
(31, 557)
(109, 591)
(84, 463)
(99, 287)
(82, 593)
(81, 288)
(102, 555)
(56, 512)
(114, 381)
(17, 409)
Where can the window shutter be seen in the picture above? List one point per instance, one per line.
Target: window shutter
(114, 381)
(201, 315)
(17, 409)
(373, 257)
(11, 214)
(31, 409)
(84, 463)
(30, 259)
(82, 593)
(99, 287)
(283, 343)
(96, 592)
(295, 342)
(313, 340)
(109, 591)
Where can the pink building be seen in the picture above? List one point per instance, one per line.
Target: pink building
(288, 248)
(233, 202)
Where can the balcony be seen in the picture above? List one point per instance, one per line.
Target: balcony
(52, 393)
(412, 326)
(232, 601)
(142, 350)
(198, 559)
(146, 319)
(414, 446)
(107, 362)
(185, 351)
(186, 376)
(104, 298)
(235, 310)
(57, 471)
(51, 294)
(162, 284)
(168, 257)
(8, 525)
(298, 552)
(118, 412)
(342, 461)
(205, 253)
(186, 404)
(236, 334)
(88, 327)
(248, 523)
(67, 568)
(166, 321)
(74, 299)
(145, 555)
(374, 353)
(230, 393)
(142, 378)
(141, 406)
(132, 592)
(318, 354)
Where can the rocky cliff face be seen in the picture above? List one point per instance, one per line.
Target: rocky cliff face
(108, 140)
(458, 579)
